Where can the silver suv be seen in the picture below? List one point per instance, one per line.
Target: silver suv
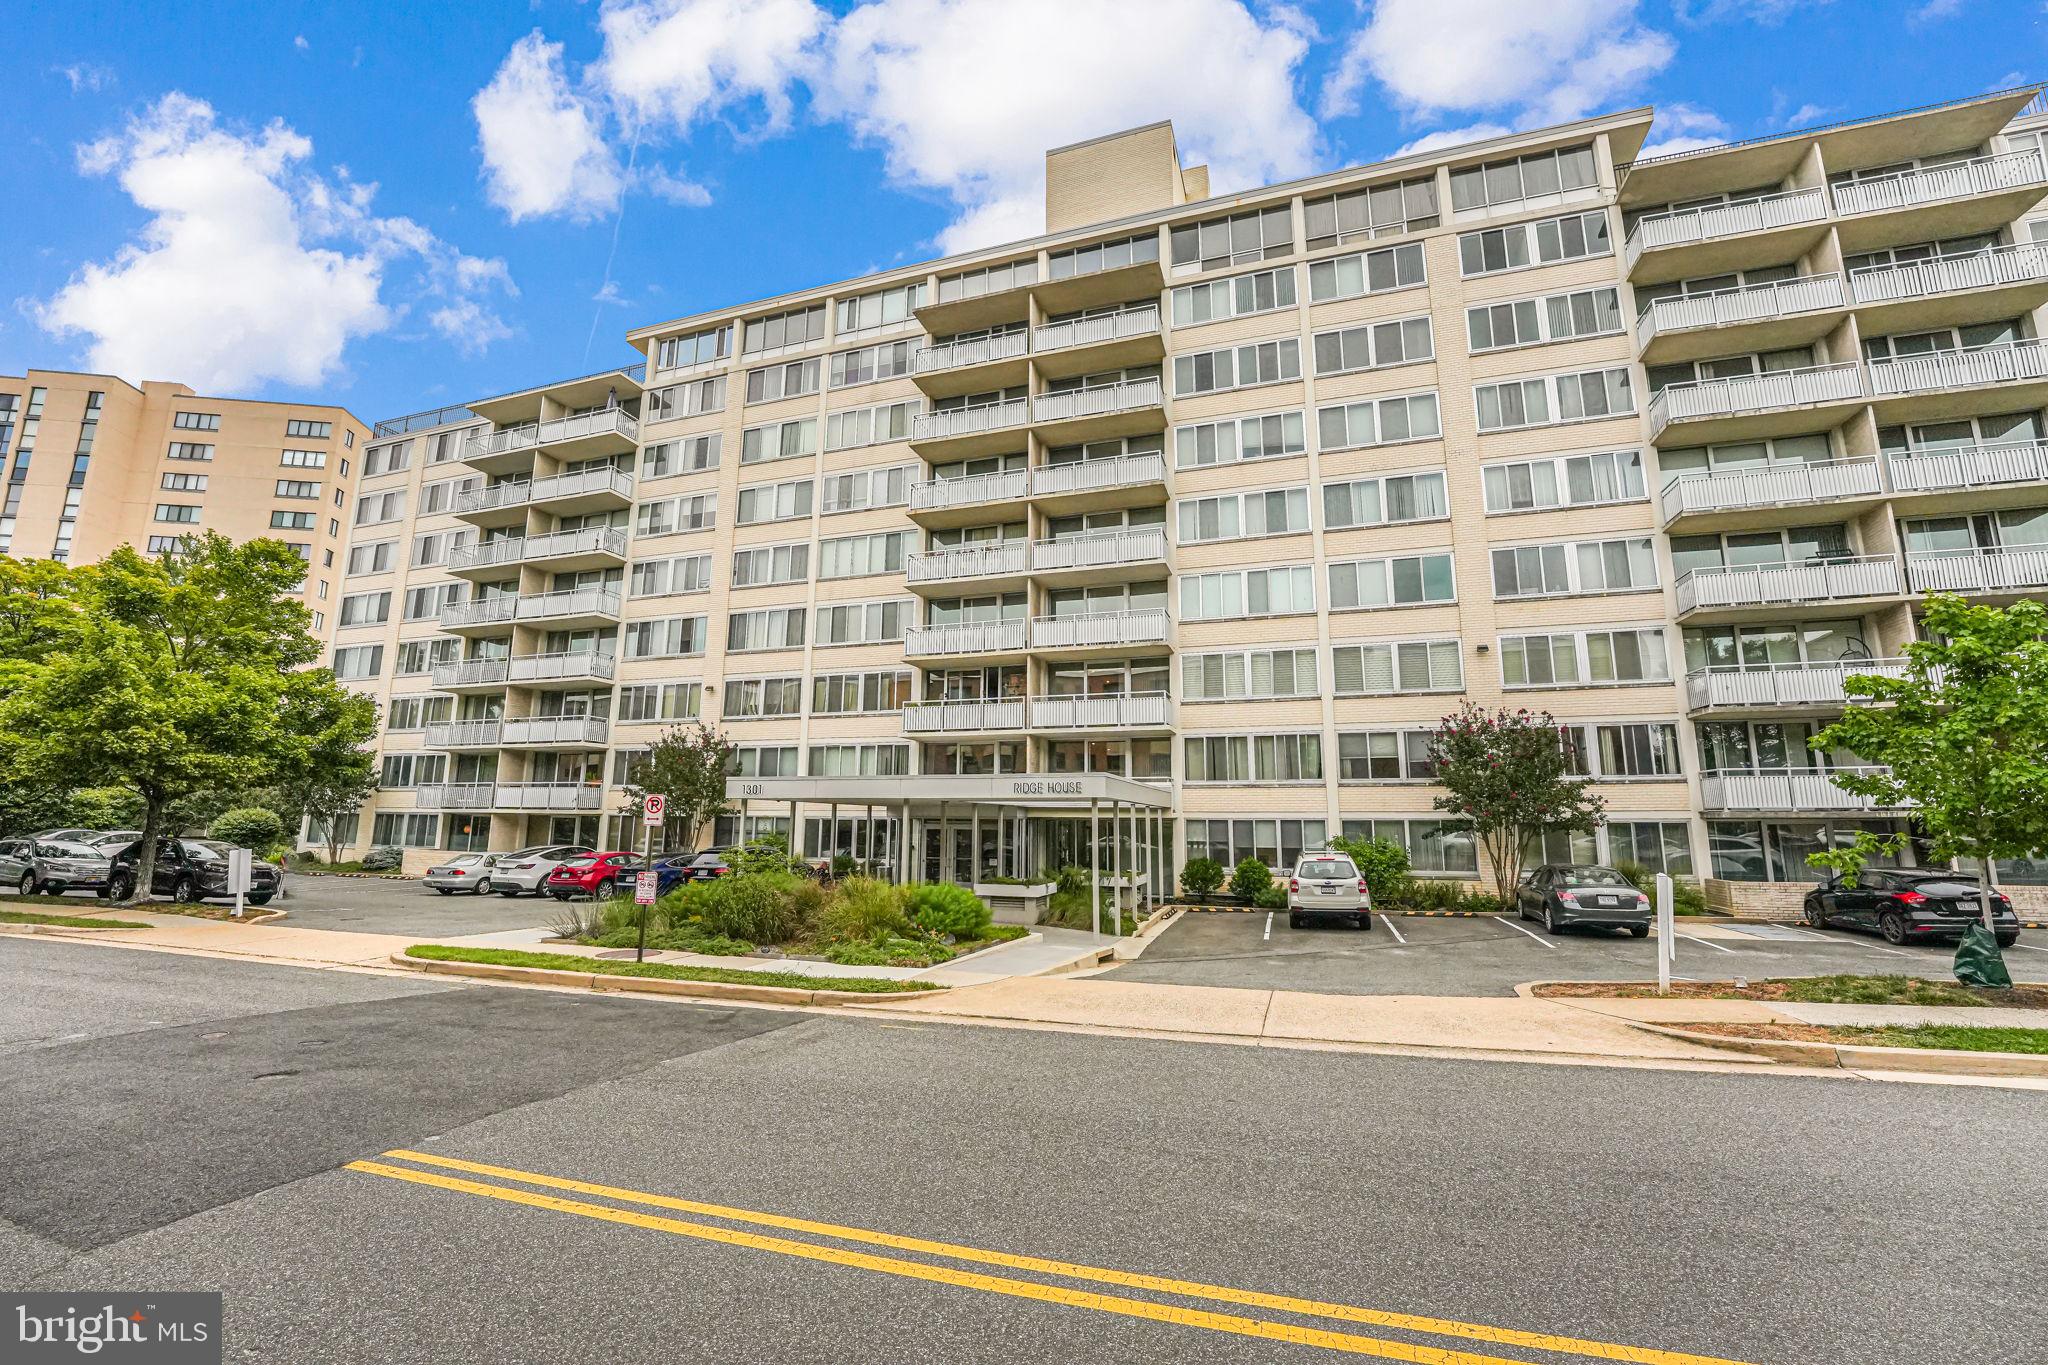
(1327, 886)
(45, 864)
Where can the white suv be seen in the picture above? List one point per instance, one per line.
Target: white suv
(1327, 886)
(527, 870)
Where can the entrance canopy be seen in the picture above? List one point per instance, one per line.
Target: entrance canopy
(1049, 792)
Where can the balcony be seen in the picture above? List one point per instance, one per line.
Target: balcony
(968, 304)
(988, 567)
(1979, 571)
(962, 433)
(1099, 633)
(1102, 275)
(455, 795)
(1103, 557)
(1782, 687)
(995, 715)
(1942, 384)
(1739, 589)
(603, 489)
(1805, 792)
(594, 547)
(1129, 408)
(585, 436)
(1101, 485)
(1721, 237)
(1753, 497)
(1110, 341)
(483, 616)
(1961, 468)
(1747, 406)
(1953, 200)
(1127, 711)
(463, 734)
(962, 501)
(496, 504)
(472, 675)
(487, 559)
(1951, 291)
(576, 607)
(964, 638)
(1761, 317)
(511, 796)
(572, 667)
(565, 732)
(978, 366)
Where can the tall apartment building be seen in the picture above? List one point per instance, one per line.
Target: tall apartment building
(1192, 517)
(92, 462)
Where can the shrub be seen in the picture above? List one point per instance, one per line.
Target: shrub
(844, 865)
(1425, 895)
(1688, 899)
(1249, 878)
(861, 908)
(1480, 902)
(943, 908)
(1272, 896)
(382, 858)
(1072, 880)
(1201, 876)
(760, 907)
(250, 827)
(577, 920)
(1638, 876)
(1384, 865)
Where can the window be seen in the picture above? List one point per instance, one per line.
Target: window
(889, 360)
(793, 380)
(870, 426)
(1285, 591)
(1523, 177)
(161, 545)
(412, 770)
(1253, 675)
(1237, 367)
(1570, 238)
(988, 279)
(860, 760)
(1555, 317)
(1374, 346)
(1386, 756)
(1565, 481)
(684, 400)
(659, 701)
(422, 656)
(852, 694)
(797, 327)
(1090, 260)
(763, 502)
(861, 489)
(434, 547)
(1659, 845)
(196, 421)
(312, 431)
(864, 623)
(859, 556)
(1397, 666)
(439, 496)
(1435, 847)
(1399, 581)
(673, 637)
(366, 609)
(764, 760)
(1259, 235)
(1253, 758)
(188, 513)
(1242, 516)
(770, 628)
(1236, 297)
(1554, 398)
(667, 577)
(417, 713)
(288, 521)
(183, 483)
(1567, 568)
(690, 455)
(1385, 501)
(882, 308)
(404, 829)
(373, 508)
(358, 661)
(387, 459)
(1367, 272)
(304, 459)
(1378, 211)
(188, 450)
(1623, 751)
(1586, 658)
(1766, 644)
(297, 488)
(771, 564)
(698, 512)
(1239, 438)
(424, 603)
(779, 441)
(378, 557)
(1379, 421)
(1276, 843)
(753, 698)
(694, 348)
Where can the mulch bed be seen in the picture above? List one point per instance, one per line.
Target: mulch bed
(2019, 997)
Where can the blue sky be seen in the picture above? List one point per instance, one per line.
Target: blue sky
(396, 206)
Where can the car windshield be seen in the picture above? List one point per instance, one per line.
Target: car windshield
(1592, 876)
(580, 862)
(465, 860)
(67, 849)
(1324, 868)
(207, 851)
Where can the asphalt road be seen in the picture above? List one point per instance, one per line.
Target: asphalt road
(1760, 1219)
(1489, 956)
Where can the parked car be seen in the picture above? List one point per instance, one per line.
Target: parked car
(34, 866)
(471, 872)
(1562, 895)
(190, 870)
(112, 841)
(1909, 904)
(706, 865)
(527, 870)
(598, 875)
(1327, 886)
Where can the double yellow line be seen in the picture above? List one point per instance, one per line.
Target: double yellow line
(1122, 1305)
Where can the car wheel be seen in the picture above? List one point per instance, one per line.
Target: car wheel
(511, 893)
(1640, 930)
(1550, 924)
(1893, 926)
(183, 892)
(1294, 921)
(1365, 920)
(445, 890)
(121, 886)
(483, 886)
(2007, 940)
(263, 899)
(605, 889)
(27, 885)
(1816, 916)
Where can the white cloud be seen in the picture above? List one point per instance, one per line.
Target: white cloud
(1684, 128)
(1452, 137)
(1807, 114)
(672, 186)
(1670, 145)
(251, 268)
(301, 44)
(543, 149)
(677, 61)
(86, 78)
(1934, 11)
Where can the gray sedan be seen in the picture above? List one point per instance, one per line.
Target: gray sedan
(469, 872)
(1564, 895)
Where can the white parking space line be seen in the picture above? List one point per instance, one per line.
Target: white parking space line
(1894, 952)
(2029, 947)
(1520, 930)
(1389, 921)
(1269, 926)
(1707, 942)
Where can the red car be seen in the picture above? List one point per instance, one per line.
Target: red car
(601, 875)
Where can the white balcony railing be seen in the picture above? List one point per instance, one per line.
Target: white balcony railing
(1791, 684)
(1808, 789)
(511, 493)
(504, 550)
(2009, 362)
(1086, 476)
(534, 435)
(1683, 227)
(955, 355)
(472, 673)
(1128, 396)
(967, 561)
(456, 795)
(1940, 471)
(582, 482)
(591, 540)
(966, 637)
(2023, 264)
(1755, 393)
(1137, 710)
(1764, 585)
(548, 796)
(1146, 626)
(1743, 489)
(574, 731)
(497, 609)
(939, 426)
(2004, 570)
(575, 665)
(1120, 326)
(574, 602)
(1100, 549)
(464, 734)
(936, 495)
(1933, 184)
(1755, 303)
(985, 714)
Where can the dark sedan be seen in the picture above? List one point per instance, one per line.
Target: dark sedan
(190, 870)
(1909, 904)
(1562, 896)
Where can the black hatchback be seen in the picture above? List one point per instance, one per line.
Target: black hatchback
(1562, 895)
(1909, 904)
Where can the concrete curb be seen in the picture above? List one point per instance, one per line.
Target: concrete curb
(61, 930)
(1853, 1057)
(652, 985)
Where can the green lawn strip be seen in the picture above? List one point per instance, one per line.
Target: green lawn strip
(66, 921)
(666, 971)
(1955, 1037)
(1881, 990)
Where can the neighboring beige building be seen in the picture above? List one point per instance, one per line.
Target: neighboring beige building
(92, 462)
(1201, 512)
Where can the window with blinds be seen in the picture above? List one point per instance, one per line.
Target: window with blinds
(1385, 501)
(1385, 756)
(1373, 670)
(1236, 516)
(1258, 674)
(1239, 438)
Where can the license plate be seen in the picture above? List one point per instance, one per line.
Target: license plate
(1327, 890)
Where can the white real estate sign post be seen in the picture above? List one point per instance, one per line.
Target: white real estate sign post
(1667, 934)
(239, 860)
(653, 809)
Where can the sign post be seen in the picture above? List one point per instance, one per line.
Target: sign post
(239, 860)
(1667, 934)
(653, 809)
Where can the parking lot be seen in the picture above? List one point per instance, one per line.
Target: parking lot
(1418, 955)
(387, 905)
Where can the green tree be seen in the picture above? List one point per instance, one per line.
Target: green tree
(333, 798)
(1509, 773)
(687, 766)
(1201, 876)
(250, 827)
(39, 616)
(1384, 865)
(1962, 737)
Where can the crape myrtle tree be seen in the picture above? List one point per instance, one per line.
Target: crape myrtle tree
(1509, 773)
(689, 767)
